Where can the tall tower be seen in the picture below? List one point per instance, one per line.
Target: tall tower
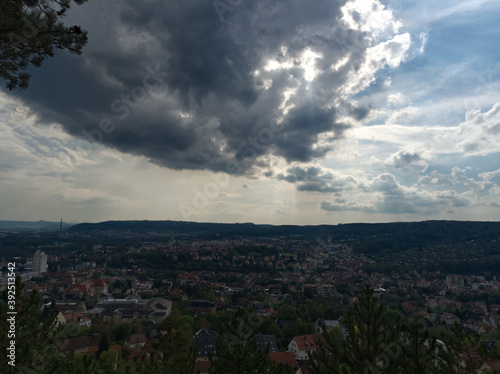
(60, 228)
(40, 262)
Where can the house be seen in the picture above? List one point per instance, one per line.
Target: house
(159, 304)
(66, 306)
(491, 320)
(136, 340)
(495, 308)
(470, 354)
(326, 290)
(327, 324)
(267, 340)
(302, 345)
(132, 308)
(126, 304)
(219, 302)
(190, 280)
(449, 319)
(287, 358)
(202, 306)
(137, 356)
(123, 315)
(485, 329)
(204, 341)
(78, 318)
(82, 344)
(473, 324)
(77, 291)
(98, 287)
(202, 367)
(60, 320)
(158, 315)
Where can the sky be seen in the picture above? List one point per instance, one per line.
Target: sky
(282, 112)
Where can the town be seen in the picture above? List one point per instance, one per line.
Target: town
(130, 288)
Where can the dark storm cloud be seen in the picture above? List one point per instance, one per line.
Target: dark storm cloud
(357, 112)
(297, 142)
(161, 79)
(316, 179)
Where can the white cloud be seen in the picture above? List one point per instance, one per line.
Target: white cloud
(370, 16)
(404, 115)
(423, 38)
(389, 53)
(493, 176)
(480, 133)
(396, 99)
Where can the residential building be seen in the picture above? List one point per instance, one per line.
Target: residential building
(302, 345)
(40, 262)
(136, 340)
(204, 341)
(287, 358)
(267, 340)
(78, 318)
(202, 306)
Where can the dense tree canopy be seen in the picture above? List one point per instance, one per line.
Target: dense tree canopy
(406, 346)
(369, 342)
(29, 31)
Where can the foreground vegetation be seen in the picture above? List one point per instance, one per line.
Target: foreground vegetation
(370, 343)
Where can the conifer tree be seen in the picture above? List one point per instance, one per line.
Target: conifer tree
(108, 361)
(29, 32)
(237, 350)
(36, 339)
(176, 352)
(103, 345)
(460, 352)
(419, 350)
(370, 346)
(328, 357)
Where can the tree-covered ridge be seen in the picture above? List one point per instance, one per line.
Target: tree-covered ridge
(446, 246)
(388, 235)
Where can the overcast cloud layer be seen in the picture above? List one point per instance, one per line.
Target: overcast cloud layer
(172, 82)
(281, 112)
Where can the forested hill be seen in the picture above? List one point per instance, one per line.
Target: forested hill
(32, 225)
(377, 234)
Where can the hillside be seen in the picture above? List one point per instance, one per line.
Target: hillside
(32, 225)
(374, 237)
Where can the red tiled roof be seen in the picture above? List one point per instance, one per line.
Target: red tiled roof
(137, 355)
(148, 347)
(202, 366)
(98, 283)
(137, 339)
(81, 342)
(92, 349)
(307, 342)
(83, 288)
(116, 348)
(75, 316)
(472, 354)
(284, 357)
